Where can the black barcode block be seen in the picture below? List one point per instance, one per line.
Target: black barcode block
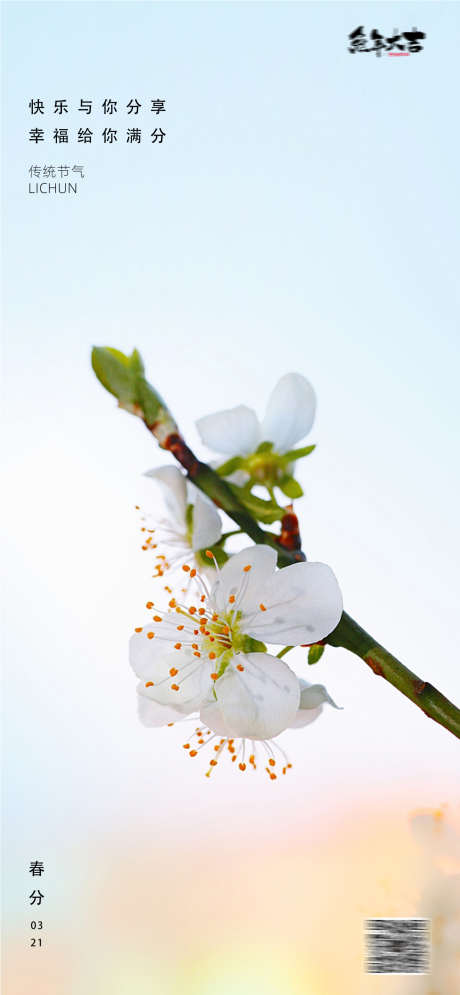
(398, 946)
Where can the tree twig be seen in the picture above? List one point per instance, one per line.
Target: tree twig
(348, 634)
(124, 377)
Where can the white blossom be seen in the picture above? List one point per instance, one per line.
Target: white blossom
(192, 522)
(210, 656)
(288, 419)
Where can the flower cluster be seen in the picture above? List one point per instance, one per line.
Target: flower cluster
(210, 656)
(206, 655)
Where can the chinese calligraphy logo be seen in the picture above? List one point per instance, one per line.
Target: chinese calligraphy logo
(404, 43)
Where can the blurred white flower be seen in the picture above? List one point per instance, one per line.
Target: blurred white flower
(439, 837)
(210, 657)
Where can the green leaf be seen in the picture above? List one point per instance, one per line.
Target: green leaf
(124, 377)
(315, 653)
(264, 511)
(290, 487)
(118, 373)
(264, 447)
(150, 402)
(294, 454)
(235, 463)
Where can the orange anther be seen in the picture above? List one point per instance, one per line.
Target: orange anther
(262, 608)
(202, 611)
(177, 646)
(194, 646)
(232, 599)
(193, 572)
(240, 667)
(173, 672)
(192, 609)
(149, 684)
(209, 554)
(149, 604)
(157, 618)
(138, 629)
(242, 766)
(172, 603)
(248, 567)
(186, 568)
(174, 687)
(186, 746)
(271, 762)
(150, 635)
(179, 628)
(193, 753)
(214, 677)
(213, 763)
(212, 656)
(197, 654)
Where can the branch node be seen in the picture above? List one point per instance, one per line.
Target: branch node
(374, 665)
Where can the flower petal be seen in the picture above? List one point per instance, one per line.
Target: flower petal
(178, 679)
(257, 702)
(233, 580)
(152, 714)
(303, 605)
(146, 651)
(312, 695)
(290, 412)
(207, 525)
(234, 432)
(173, 487)
(312, 698)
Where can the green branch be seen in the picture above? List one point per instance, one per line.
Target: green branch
(124, 377)
(435, 705)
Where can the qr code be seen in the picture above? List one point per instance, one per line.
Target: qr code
(398, 946)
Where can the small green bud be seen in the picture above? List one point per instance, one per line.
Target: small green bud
(123, 376)
(315, 653)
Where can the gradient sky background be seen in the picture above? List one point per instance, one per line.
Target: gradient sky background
(302, 214)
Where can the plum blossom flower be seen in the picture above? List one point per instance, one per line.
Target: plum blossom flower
(289, 417)
(192, 523)
(261, 451)
(211, 656)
